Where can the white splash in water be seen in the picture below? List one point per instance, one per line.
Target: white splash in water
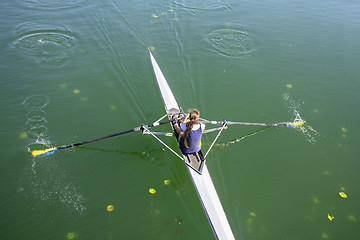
(310, 133)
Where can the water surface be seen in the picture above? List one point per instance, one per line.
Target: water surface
(76, 70)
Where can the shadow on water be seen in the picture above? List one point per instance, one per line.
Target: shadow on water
(145, 155)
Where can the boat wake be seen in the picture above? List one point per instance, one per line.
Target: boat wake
(45, 183)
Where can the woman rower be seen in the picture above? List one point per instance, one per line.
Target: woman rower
(190, 132)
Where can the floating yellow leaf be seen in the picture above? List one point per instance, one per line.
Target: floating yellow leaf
(152, 191)
(252, 214)
(324, 236)
(167, 181)
(76, 91)
(154, 15)
(249, 221)
(178, 220)
(23, 135)
(112, 107)
(289, 85)
(352, 218)
(344, 130)
(342, 194)
(330, 217)
(71, 235)
(110, 208)
(170, 10)
(316, 200)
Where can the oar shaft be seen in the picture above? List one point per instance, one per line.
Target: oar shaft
(115, 134)
(244, 123)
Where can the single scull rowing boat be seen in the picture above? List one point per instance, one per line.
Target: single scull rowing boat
(196, 164)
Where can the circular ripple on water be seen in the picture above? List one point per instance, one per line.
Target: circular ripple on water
(200, 4)
(36, 122)
(230, 42)
(35, 102)
(45, 44)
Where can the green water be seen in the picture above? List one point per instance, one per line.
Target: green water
(75, 70)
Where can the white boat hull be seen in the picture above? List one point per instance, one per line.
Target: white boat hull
(202, 182)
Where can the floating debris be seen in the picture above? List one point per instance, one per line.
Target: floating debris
(252, 214)
(316, 200)
(63, 86)
(71, 235)
(76, 91)
(110, 208)
(289, 85)
(342, 194)
(167, 181)
(23, 135)
(152, 191)
(344, 130)
(352, 218)
(324, 236)
(112, 107)
(330, 217)
(178, 220)
(154, 15)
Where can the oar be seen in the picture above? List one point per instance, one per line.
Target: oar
(288, 124)
(52, 150)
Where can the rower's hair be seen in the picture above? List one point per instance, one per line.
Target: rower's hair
(194, 119)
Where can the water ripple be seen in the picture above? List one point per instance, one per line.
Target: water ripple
(200, 4)
(234, 42)
(51, 4)
(45, 43)
(36, 122)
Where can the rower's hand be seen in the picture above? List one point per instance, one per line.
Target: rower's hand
(187, 118)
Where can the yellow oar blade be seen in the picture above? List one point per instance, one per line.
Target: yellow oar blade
(295, 124)
(42, 152)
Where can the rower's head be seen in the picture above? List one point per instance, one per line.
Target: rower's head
(194, 115)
